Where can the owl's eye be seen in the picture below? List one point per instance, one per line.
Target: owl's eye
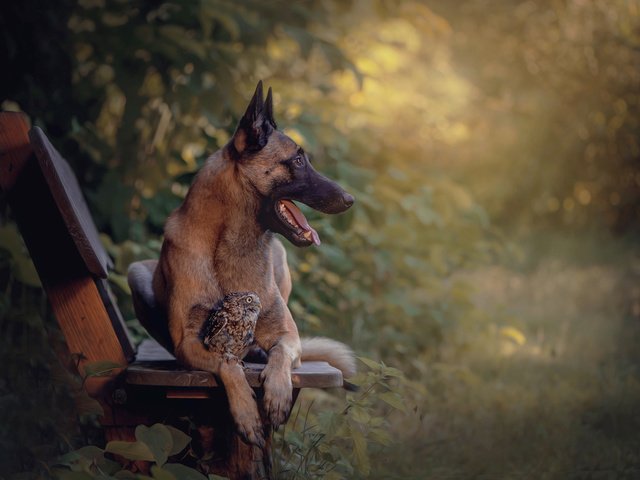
(249, 300)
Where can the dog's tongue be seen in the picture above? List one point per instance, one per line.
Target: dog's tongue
(302, 221)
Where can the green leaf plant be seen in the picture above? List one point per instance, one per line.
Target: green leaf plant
(154, 444)
(342, 440)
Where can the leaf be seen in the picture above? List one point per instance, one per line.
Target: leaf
(329, 422)
(294, 438)
(302, 37)
(74, 461)
(24, 270)
(102, 368)
(392, 372)
(160, 473)
(85, 405)
(183, 472)
(381, 436)
(514, 334)
(83, 458)
(125, 475)
(359, 414)
(63, 474)
(67, 458)
(130, 450)
(185, 42)
(372, 364)
(120, 281)
(359, 380)
(158, 439)
(361, 456)
(179, 438)
(333, 475)
(91, 452)
(393, 399)
(211, 12)
(109, 467)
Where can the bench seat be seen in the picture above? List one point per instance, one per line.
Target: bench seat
(155, 366)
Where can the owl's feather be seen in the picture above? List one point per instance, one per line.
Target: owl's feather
(229, 329)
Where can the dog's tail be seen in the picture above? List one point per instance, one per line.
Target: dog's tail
(336, 354)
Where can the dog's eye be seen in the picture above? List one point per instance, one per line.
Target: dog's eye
(298, 161)
(249, 300)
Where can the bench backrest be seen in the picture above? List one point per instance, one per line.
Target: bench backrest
(55, 223)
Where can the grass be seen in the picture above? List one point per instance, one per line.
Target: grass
(542, 381)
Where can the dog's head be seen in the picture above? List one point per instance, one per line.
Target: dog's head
(280, 172)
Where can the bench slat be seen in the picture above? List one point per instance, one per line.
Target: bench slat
(70, 202)
(70, 286)
(155, 366)
(15, 149)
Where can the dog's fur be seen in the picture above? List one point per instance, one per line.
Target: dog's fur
(220, 240)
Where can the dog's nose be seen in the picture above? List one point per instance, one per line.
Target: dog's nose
(348, 199)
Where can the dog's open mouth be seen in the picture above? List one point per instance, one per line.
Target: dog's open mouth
(291, 214)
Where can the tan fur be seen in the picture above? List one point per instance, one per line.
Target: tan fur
(335, 353)
(214, 245)
(281, 269)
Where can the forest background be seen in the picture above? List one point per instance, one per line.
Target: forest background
(491, 258)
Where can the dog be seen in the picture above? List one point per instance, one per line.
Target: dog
(221, 240)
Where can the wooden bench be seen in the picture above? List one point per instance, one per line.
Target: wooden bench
(54, 220)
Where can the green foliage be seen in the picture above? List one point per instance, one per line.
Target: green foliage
(153, 444)
(101, 369)
(450, 122)
(346, 438)
(167, 84)
(42, 407)
(554, 110)
(15, 254)
(557, 399)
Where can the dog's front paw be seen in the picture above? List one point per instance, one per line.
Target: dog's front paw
(251, 433)
(248, 423)
(277, 394)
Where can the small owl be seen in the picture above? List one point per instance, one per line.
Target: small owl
(229, 328)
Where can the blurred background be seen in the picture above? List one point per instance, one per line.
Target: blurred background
(491, 258)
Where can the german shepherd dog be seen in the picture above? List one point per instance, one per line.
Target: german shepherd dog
(221, 240)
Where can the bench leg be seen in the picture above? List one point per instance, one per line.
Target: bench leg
(219, 448)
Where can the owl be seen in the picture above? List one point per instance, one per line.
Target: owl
(228, 331)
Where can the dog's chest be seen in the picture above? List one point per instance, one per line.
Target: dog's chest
(251, 271)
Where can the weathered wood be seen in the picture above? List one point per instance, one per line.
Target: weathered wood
(84, 321)
(15, 148)
(155, 366)
(72, 292)
(70, 202)
(119, 326)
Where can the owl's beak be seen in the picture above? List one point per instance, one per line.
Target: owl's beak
(256, 300)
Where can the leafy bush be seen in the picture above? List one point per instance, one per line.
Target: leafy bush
(148, 91)
(43, 408)
(153, 444)
(446, 120)
(347, 437)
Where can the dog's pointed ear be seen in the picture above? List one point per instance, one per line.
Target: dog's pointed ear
(254, 127)
(268, 108)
